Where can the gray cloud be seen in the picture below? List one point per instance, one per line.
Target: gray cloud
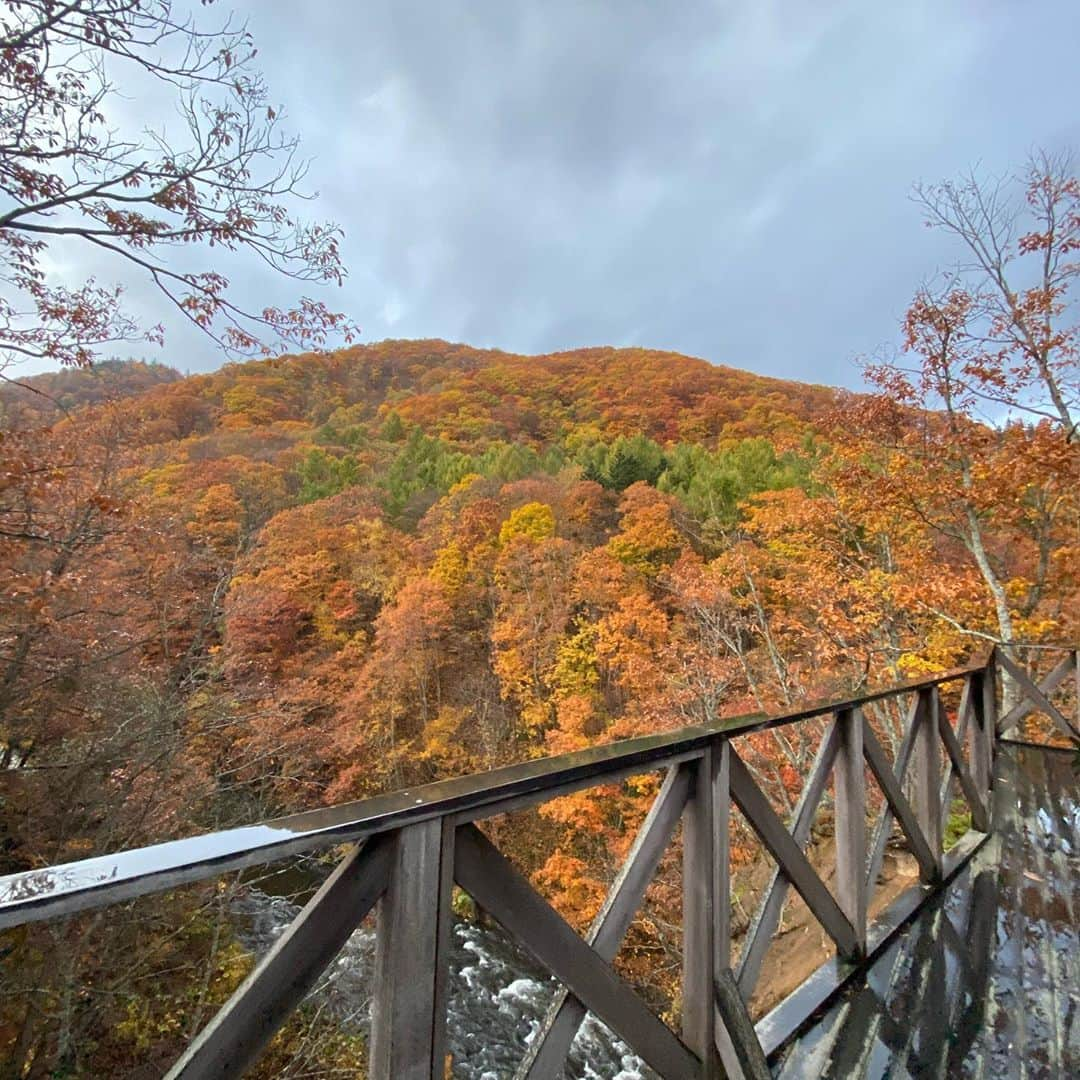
(727, 180)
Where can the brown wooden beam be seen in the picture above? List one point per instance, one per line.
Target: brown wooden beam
(898, 806)
(701, 881)
(733, 1019)
(1048, 684)
(485, 873)
(259, 1006)
(1035, 695)
(547, 1051)
(767, 917)
(926, 775)
(977, 800)
(790, 858)
(850, 780)
(883, 829)
(408, 1014)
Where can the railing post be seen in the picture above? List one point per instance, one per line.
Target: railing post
(409, 1012)
(721, 800)
(850, 779)
(991, 684)
(981, 733)
(926, 774)
(702, 890)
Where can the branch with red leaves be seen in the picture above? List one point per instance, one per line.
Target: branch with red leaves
(71, 179)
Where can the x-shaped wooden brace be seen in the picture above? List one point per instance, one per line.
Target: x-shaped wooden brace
(1036, 695)
(492, 881)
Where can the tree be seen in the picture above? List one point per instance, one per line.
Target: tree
(322, 475)
(1021, 284)
(1002, 495)
(75, 182)
(61, 496)
(713, 484)
(623, 462)
(971, 440)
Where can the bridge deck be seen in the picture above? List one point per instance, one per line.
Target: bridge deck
(986, 980)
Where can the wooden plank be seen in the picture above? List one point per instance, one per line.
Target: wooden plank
(733, 1020)
(699, 925)
(884, 826)
(926, 775)
(1034, 694)
(483, 871)
(816, 993)
(404, 1022)
(530, 799)
(767, 917)
(899, 807)
(990, 693)
(980, 738)
(721, 794)
(244, 1025)
(850, 779)
(977, 800)
(1047, 685)
(983, 732)
(443, 930)
(777, 840)
(547, 1051)
(979, 942)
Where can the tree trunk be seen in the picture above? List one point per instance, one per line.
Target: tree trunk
(1009, 690)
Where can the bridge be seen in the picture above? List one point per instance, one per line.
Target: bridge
(972, 971)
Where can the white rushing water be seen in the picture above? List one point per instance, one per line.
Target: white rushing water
(498, 996)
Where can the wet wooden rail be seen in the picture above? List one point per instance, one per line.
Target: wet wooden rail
(406, 851)
(985, 979)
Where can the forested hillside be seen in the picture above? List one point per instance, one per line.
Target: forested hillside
(315, 578)
(35, 400)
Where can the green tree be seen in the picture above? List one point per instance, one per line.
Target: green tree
(712, 484)
(423, 466)
(625, 461)
(322, 475)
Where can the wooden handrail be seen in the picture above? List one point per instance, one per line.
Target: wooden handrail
(408, 849)
(108, 879)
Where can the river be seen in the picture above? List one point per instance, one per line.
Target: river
(498, 996)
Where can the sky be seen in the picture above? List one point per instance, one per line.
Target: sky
(729, 180)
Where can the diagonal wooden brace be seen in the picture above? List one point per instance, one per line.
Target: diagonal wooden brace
(485, 873)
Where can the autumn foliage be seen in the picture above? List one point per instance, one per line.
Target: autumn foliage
(319, 577)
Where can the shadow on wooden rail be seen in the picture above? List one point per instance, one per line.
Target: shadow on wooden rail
(408, 849)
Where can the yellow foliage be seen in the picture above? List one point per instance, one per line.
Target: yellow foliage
(216, 521)
(575, 893)
(450, 569)
(575, 664)
(443, 744)
(534, 520)
(648, 539)
(464, 483)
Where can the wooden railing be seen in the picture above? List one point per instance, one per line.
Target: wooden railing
(1036, 696)
(407, 850)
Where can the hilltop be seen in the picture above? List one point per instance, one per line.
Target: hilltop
(41, 399)
(462, 394)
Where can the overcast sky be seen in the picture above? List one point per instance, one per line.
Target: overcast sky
(728, 180)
